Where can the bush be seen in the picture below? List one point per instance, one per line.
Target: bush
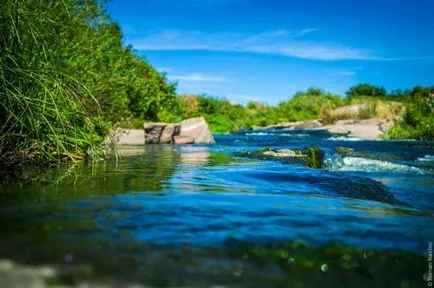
(365, 89)
(367, 112)
(417, 122)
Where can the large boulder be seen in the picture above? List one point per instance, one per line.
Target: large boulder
(126, 137)
(198, 129)
(183, 140)
(160, 133)
(190, 131)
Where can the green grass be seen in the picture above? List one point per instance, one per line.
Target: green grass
(66, 78)
(42, 112)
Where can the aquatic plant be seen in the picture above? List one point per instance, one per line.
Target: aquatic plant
(315, 157)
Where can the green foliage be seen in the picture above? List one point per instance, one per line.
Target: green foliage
(418, 120)
(66, 79)
(315, 157)
(308, 105)
(43, 109)
(365, 89)
(64, 75)
(224, 116)
(367, 112)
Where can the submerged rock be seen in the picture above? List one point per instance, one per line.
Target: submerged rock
(350, 152)
(311, 156)
(299, 125)
(284, 153)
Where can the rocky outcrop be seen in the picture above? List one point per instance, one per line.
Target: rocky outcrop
(190, 131)
(309, 124)
(368, 129)
(310, 156)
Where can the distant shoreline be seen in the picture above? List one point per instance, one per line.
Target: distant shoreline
(367, 129)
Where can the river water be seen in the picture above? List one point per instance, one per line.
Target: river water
(133, 217)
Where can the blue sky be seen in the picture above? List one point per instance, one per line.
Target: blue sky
(267, 50)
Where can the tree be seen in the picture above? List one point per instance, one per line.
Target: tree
(366, 89)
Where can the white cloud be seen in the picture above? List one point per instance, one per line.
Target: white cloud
(343, 73)
(306, 31)
(280, 42)
(164, 69)
(197, 77)
(244, 97)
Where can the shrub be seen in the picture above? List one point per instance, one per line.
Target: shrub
(367, 112)
(417, 122)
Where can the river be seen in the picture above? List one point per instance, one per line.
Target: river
(170, 215)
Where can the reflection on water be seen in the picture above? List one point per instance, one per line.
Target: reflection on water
(149, 169)
(194, 155)
(161, 208)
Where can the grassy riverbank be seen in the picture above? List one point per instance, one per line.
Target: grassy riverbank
(67, 79)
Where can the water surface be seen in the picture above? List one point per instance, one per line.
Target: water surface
(123, 215)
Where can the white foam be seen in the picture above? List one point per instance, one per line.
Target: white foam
(293, 135)
(426, 158)
(343, 138)
(258, 134)
(276, 134)
(369, 165)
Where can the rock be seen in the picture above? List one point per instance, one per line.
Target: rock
(311, 156)
(126, 137)
(309, 124)
(160, 133)
(194, 130)
(283, 153)
(368, 129)
(168, 134)
(183, 140)
(198, 129)
(350, 152)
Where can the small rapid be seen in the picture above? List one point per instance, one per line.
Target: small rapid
(358, 164)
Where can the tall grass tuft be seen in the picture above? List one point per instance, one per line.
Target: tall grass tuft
(43, 113)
